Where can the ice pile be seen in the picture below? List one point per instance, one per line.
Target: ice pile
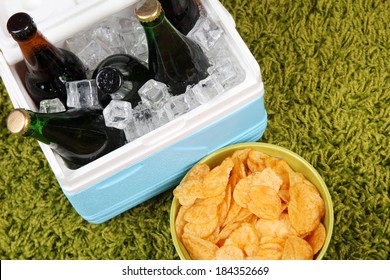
(111, 36)
(157, 107)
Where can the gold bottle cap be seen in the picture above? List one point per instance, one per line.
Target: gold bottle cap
(18, 121)
(148, 10)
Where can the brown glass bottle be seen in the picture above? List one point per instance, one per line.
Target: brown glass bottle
(79, 136)
(48, 67)
(174, 59)
(183, 14)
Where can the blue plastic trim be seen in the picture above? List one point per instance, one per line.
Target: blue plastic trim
(164, 169)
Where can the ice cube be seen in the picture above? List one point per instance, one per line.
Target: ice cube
(228, 72)
(134, 36)
(225, 66)
(190, 98)
(77, 42)
(154, 94)
(206, 33)
(130, 131)
(92, 55)
(82, 94)
(177, 105)
(51, 106)
(118, 114)
(161, 116)
(143, 119)
(107, 34)
(206, 89)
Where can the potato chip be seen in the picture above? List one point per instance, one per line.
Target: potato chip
(280, 227)
(188, 191)
(270, 251)
(227, 230)
(198, 248)
(251, 249)
(241, 191)
(214, 236)
(283, 170)
(243, 216)
(245, 234)
(306, 208)
(256, 160)
(242, 155)
(180, 222)
(251, 219)
(238, 172)
(271, 162)
(233, 212)
(222, 212)
(197, 172)
(201, 230)
(295, 178)
(200, 214)
(215, 182)
(269, 178)
(229, 252)
(297, 248)
(316, 238)
(213, 200)
(265, 202)
(224, 206)
(272, 240)
(284, 195)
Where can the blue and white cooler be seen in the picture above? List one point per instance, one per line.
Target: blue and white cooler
(156, 161)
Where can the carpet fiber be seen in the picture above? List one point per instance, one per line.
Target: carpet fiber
(326, 71)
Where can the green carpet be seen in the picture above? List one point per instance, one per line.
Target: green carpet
(326, 70)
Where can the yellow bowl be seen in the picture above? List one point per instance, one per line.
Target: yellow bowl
(296, 162)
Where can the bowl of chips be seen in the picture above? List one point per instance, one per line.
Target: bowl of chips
(251, 201)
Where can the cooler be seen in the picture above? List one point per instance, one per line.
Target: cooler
(157, 161)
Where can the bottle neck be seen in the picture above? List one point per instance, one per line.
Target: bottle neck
(160, 20)
(35, 127)
(161, 27)
(183, 14)
(39, 54)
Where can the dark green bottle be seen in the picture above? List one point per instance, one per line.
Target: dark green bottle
(122, 75)
(48, 68)
(78, 136)
(183, 14)
(174, 59)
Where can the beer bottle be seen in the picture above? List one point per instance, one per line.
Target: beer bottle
(183, 14)
(48, 67)
(174, 59)
(120, 76)
(79, 136)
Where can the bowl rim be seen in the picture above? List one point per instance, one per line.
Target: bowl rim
(328, 219)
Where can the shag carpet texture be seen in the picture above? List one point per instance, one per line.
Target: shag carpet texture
(326, 70)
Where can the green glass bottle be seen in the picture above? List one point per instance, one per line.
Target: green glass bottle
(183, 14)
(79, 136)
(174, 59)
(121, 76)
(48, 68)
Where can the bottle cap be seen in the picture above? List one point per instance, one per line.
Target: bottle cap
(18, 121)
(148, 10)
(21, 26)
(109, 79)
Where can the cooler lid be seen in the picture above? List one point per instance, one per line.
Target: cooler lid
(56, 19)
